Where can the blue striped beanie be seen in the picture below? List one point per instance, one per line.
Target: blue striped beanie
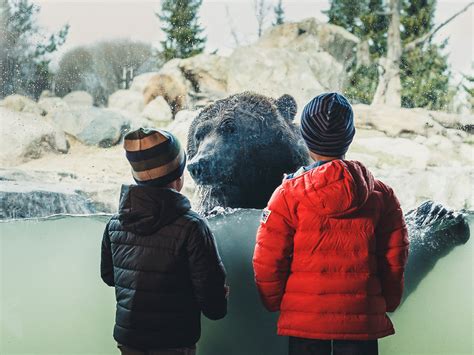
(156, 156)
(327, 124)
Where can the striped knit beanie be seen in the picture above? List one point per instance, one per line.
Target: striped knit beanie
(156, 156)
(327, 125)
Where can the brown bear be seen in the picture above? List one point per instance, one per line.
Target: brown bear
(170, 88)
(240, 147)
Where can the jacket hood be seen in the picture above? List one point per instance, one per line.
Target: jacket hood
(145, 209)
(334, 189)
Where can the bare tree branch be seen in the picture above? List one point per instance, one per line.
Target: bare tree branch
(233, 31)
(262, 9)
(412, 45)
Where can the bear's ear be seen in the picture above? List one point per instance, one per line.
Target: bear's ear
(286, 105)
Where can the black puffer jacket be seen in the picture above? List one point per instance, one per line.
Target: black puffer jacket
(162, 259)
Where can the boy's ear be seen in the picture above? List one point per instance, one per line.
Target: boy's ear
(287, 107)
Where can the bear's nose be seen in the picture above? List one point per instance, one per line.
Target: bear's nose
(198, 169)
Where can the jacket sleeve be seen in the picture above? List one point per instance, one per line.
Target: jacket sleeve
(207, 272)
(273, 251)
(106, 266)
(392, 250)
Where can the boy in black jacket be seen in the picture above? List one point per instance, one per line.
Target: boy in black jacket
(159, 255)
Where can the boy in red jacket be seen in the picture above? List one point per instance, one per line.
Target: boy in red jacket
(332, 244)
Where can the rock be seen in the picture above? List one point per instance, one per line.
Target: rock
(46, 93)
(79, 98)
(158, 111)
(140, 81)
(34, 193)
(301, 59)
(312, 35)
(207, 73)
(33, 199)
(449, 185)
(128, 100)
(180, 126)
(466, 152)
(92, 125)
(463, 121)
(261, 70)
(393, 152)
(396, 121)
(26, 136)
(21, 103)
(49, 104)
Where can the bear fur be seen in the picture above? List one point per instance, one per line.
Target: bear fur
(170, 88)
(240, 147)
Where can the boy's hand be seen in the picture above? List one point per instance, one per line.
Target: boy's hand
(227, 291)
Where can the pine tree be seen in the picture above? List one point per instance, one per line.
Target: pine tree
(24, 62)
(279, 14)
(183, 33)
(365, 20)
(469, 89)
(346, 13)
(424, 71)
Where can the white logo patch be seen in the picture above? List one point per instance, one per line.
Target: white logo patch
(265, 214)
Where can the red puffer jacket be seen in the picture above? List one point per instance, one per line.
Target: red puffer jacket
(330, 254)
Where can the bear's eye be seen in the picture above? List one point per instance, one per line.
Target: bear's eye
(201, 132)
(228, 127)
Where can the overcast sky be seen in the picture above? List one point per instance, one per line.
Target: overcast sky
(93, 20)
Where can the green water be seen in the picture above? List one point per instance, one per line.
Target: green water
(54, 302)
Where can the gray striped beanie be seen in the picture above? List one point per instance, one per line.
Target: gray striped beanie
(156, 156)
(327, 124)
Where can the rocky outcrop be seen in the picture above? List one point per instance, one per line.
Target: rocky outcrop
(158, 111)
(79, 98)
(27, 136)
(21, 103)
(40, 200)
(92, 125)
(50, 104)
(301, 59)
(128, 100)
(140, 82)
(396, 122)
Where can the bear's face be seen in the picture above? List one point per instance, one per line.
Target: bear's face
(240, 147)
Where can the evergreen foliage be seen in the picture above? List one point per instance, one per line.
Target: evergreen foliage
(24, 56)
(279, 14)
(424, 71)
(183, 33)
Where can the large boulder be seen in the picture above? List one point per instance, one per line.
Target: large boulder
(274, 72)
(79, 98)
(158, 111)
(33, 200)
(463, 121)
(140, 81)
(207, 73)
(92, 125)
(181, 123)
(128, 100)
(21, 103)
(50, 104)
(26, 136)
(396, 121)
(301, 59)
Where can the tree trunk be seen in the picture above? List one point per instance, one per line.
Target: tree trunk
(389, 87)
